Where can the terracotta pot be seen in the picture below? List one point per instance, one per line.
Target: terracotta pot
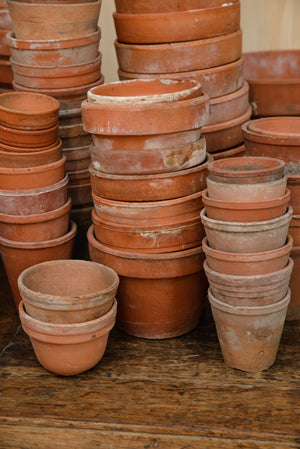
(82, 140)
(294, 187)
(157, 238)
(81, 194)
(294, 306)
(78, 177)
(51, 53)
(28, 139)
(249, 291)
(257, 329)
(229, 107)
(136, 162)
(157, 6)
(82, 217)
(177, 26)
(17, 256)
(68, 349)
(32, 177)
(53, 21)
(12, 159)
(58, 77)
(55, 1)
(227, 135)
(274, 78)
(215, 82)
(251, 237)
(222, 191)
(180, 56)
(246, 170)
(70, 117)
(4, 48)
(35, 201)
(160, 295)
(233, 152)
(28, 111)
(248, 264)
(154, 187)
(295, 229)
(76, 164)
(77, 153)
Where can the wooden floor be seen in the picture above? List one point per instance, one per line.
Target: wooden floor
(172, 394)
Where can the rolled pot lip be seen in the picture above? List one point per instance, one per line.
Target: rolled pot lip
(282, 180)
(229, 124)
(251, 311)
(37, 191)
(274, 133)
(31, 153)
(33, 170)
(59, 68)
(55, 105)
(54, 5)
(229, 97)
(269, 138)
(28, 132)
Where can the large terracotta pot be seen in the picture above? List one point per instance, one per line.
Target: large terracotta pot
(24, 159)
(294, 306)
(229, 107)
(160, 295)
(28, 139)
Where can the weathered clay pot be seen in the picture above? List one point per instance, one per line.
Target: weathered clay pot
(295, 229)
(80, 177)
(160, 295)
(256, 329)
(229, 107)
(68, 349)
(77, 164)
(53, 21)
(180, 56)
(251, 237)
(178, 26)
(157, 6)
(35, 201)
(294, 187)
(81, 140)
(233, 152)
(70, 116)
(81, 194)
(248, 264)
(28, 139)
(13, 159)
(294, 306)
(274, 78)
(17, 256)
(77, 157)
(68, 291)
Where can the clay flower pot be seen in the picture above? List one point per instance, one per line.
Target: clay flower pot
(256, 329)
(68, 349)
(180, 56)
(11, 159)
(294, 306)
(295, 229)
(78, 158)
(157, 6)
(238, 151)
(229, 107)
(17, 256)
(251, 237)
(160, 295)
(70, 116)
(35, 201)
(68, 291)
(28, 139)
(274, 78)
(28, 110)
(247, 264)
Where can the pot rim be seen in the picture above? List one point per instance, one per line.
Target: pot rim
(37, 191)
(51, 71)
(31, 170)
(30, 152)
(47, 98)
(269, 138)
(217, 167)
(28, 132)
(218, 101)
(229, 124)
(58, 5)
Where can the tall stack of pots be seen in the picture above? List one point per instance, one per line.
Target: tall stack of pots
(148, 171)
(247, 247)
(280, 137)
(6, 75)
(34, 203)
(200, 39)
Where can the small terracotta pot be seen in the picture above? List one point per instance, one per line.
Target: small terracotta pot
(53, 21)
(154, 187)
(28, 110)
(35, 201)
(294, 186)
(295, 229)
(233, 152)
(68, 291)
(17, 256)
(249, 291)
(294, 306)
(248, 264)
(256, 329)
(158, 6)
(180, 56)
(160, 295)
(81, 195)
(28, 139)
(251, 237)
(12, 159)
(229, 107)
(68, 349)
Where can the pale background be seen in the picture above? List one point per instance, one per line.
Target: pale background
(266, 25)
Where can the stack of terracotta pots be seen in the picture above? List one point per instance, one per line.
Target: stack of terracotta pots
(148, 171)
(246, 220)
(34, 203)
(6, 75)
(68, 308)
(280, 137)
(200, 39)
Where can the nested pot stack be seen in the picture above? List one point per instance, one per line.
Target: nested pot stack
(184, 39)
(6, 75)
(34, 201)
(148, 172)
(247, 248)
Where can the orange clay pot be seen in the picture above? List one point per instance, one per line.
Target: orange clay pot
(53, 21)
(154, 187)
(274, 78)
(17, 256)
(257, 329)
(178, 26)
(229, 107)
(295, 229)
(251, 237)
(68, 349)
(81, 194)
(157, 6)
(233, 152)
(294, 306)
(55, 52)
(12, 159)
(160, 295)
(248, 264)
(28, 139)
(35, 201)
(28, 111)
(68, 291)
(180, 56)
(32, 177)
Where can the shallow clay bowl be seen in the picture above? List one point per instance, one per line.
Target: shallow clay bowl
(28, 139)
(25, 159)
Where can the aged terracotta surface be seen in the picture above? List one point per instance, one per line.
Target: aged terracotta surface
(157, 6)
(232, 152)
(81, 194)
(26, 159)
(229, 107)
(27, 138)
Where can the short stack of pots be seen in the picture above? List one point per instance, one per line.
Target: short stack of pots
(280, 137)
(247, 247)
(195, 39)
(148, 171)
(34, 203)
(68, 308)
(6, 75)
